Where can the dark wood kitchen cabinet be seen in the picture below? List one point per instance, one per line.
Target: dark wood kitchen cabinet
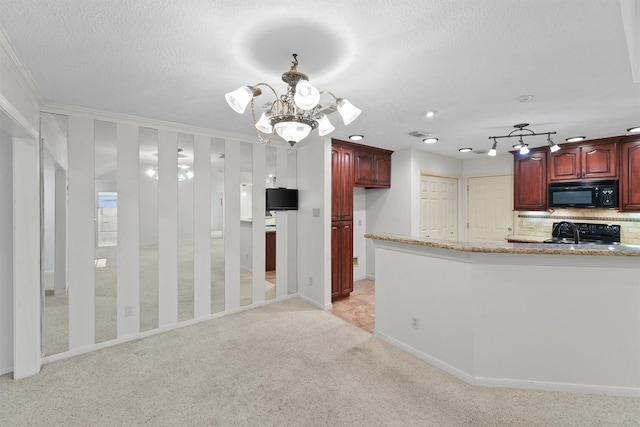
(630, 174)
(270, 250)
(584, 161)
(341, 258)
(341, 182)
(372, 168)
(530, 181)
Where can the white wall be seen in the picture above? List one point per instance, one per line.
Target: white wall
(314, 232)
(359, 229)
(19, 118)
(397, 210)
(6, 255)
(486, 165)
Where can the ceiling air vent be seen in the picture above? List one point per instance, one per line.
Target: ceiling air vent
(329, 109)
(419, 133)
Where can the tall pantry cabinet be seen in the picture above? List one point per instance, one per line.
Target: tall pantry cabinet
(341, 219)
(352, 165)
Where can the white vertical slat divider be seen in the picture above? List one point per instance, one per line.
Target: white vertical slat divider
(128, 252)
(202, 226)
(258, 224)
(61, 221)
(26, 258)
(282, 227)
(292, 243)
(81, 154)
(168, 227)
(232, 225)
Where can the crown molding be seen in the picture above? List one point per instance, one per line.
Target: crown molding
(70, 110)
(16, 66)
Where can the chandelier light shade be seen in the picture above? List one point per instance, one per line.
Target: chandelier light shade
(292, 131)
(520, 132)
(324, 126)
(239, 99)
(294, 114)
(348, 112)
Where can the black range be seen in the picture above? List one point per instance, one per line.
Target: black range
(585, 233)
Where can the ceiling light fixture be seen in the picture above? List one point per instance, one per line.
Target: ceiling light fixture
(356, 137)
(494, 147)
(465, 150)
(553, 147)
(524, 148)
(430, 140)
(294, 114)
(431, 113)
(576, 138)
(634, 129)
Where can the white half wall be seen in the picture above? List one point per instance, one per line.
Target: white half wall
(314, 222)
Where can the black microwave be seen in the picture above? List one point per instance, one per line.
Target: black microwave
(584, 194)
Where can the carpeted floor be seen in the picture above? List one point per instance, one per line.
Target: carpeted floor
(284, 364)
(56, 309)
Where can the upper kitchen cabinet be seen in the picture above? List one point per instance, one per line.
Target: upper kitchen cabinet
(584, 161)
(372, 167)
(630, 174)
(530, 181)
(341, 182)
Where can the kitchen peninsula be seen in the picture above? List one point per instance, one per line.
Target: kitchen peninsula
(524, 315)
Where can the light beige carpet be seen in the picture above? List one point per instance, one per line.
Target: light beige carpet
(285, 364)
(56, 324)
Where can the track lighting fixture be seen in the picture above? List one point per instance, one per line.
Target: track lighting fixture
(524, 148)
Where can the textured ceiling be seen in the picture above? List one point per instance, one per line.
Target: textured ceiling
(394, 59)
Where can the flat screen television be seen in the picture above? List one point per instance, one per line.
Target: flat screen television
(282, 199)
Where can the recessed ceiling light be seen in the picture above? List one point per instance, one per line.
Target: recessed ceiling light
(356, 137)
(576, 138)
(430, 140)
(431, 113)
(465, 150)
(634, 130)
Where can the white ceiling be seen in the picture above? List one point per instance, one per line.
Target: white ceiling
(173, 60)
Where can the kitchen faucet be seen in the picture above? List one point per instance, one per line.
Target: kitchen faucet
(574, 228)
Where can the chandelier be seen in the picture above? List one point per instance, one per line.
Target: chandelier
(521, 146)
(294, 114)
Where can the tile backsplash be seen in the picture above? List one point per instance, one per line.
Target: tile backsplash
(540, 224)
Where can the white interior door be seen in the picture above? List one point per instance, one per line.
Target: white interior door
(490, 205)
(439, 207)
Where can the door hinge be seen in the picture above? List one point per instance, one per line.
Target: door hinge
(467, 225)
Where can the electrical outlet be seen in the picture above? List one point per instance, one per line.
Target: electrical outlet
(128, 311)
(316, 212)
(415, 322)
(310, 281)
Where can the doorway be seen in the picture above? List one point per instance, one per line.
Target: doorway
(490, 208)
(438, 207)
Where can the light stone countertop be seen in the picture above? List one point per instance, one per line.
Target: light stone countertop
(511, 248)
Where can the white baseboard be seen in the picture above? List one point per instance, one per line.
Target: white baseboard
(135, 336)
(511, 383)
(4, 371)
(315, 303)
